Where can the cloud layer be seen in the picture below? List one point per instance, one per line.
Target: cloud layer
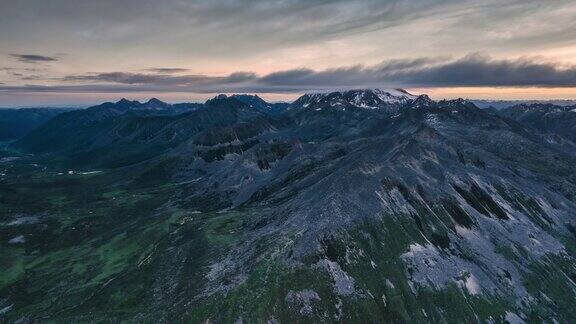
(473, 70)
(32, 58)
(237, 27)
(167, 70)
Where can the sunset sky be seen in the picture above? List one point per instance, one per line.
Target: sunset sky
(83, 52)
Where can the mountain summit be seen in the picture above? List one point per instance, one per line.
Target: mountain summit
(360, 98)
(259, 104)
(155, 104)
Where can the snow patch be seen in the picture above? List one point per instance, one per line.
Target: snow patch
(9, 159)
(20, 239)
(472, 285)
(513, 318)
(431, 268)
(432, 120)
(24, 221)
(343, 283)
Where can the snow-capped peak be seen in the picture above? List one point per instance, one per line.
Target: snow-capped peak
(362, 98)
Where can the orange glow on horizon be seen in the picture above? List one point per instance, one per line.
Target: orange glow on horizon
(508, 93)
(86, 99)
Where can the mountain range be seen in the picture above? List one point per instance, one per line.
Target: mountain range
(347, 206)
(546, 118)
(15, 123)
(501, 104)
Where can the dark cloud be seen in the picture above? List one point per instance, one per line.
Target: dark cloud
(477, 70)
(161, 79)
(19, 69)
(470, 71)
(32, 77)
(167, 70)
(127, 78)
(32, 58)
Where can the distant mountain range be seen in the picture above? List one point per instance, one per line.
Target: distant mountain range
(501, 104)
(15, 123)
(363, 205)
(546, 118)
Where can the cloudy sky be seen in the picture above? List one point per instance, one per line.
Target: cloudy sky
(85, 51)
